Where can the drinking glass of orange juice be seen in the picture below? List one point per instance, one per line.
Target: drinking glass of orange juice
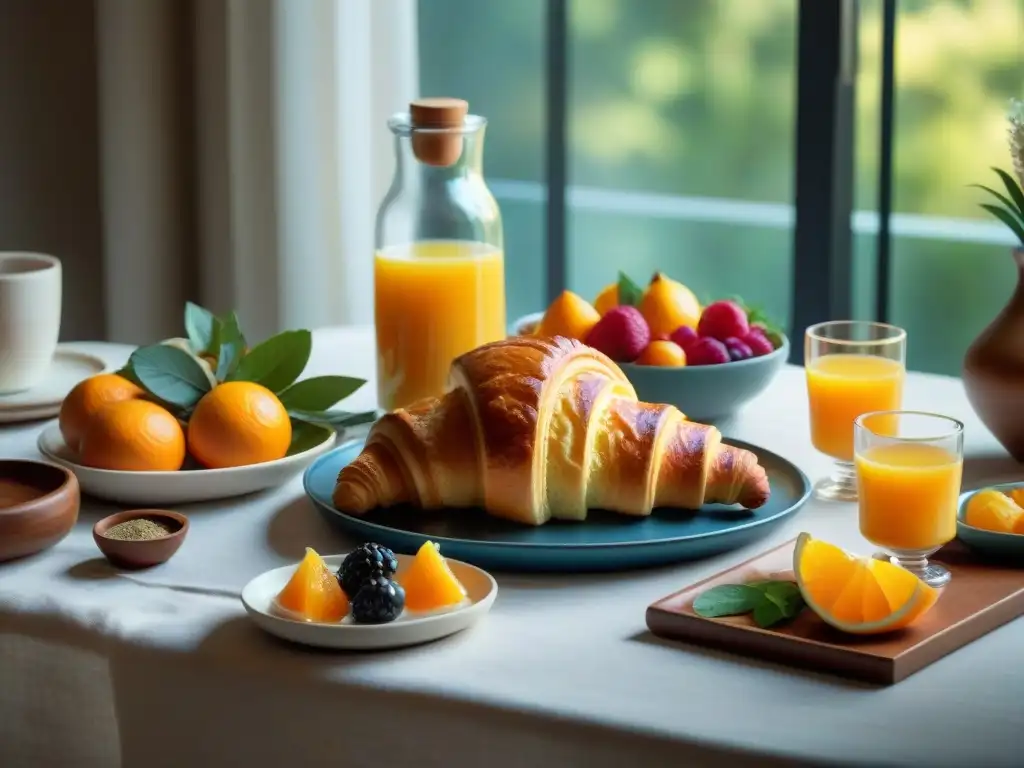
(909, 466)
(439, 271)
(853, 367)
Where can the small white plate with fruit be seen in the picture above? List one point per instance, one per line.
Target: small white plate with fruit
(707, 360)
(370, 598)
(200, 418)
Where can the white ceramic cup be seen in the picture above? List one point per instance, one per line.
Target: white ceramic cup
(30, 309)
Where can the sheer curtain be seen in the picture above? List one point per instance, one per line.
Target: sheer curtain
(243, 152)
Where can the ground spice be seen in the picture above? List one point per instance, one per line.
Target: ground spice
(140, 529)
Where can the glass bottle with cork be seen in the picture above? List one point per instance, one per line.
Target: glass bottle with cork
(439, 276)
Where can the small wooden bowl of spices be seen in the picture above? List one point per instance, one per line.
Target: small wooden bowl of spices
(140, 538)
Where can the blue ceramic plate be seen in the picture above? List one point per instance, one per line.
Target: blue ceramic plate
(1008, 547)
(604, 542)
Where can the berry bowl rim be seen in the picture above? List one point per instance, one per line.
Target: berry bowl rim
(529, 321)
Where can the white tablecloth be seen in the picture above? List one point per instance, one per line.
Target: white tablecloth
(162, 668)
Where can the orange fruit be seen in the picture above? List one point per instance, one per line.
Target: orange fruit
(667, 305)
(133, 436)
(993, 511)
(607, 299)
(86, 400)
(569, 315)
(859, 595)
(313, 592)
(1017, 494)
(238, 423)
(665, 353)
(429, 583)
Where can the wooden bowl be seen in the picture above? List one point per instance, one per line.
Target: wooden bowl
(142, 553)
(38, 506)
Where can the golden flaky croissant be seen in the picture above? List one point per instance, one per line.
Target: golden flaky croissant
(533, 429)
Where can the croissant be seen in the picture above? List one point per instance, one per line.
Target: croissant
(532, 429)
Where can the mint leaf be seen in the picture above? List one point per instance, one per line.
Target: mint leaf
(629, 292)
(170, 374)
(200, 327)
(767, 614)
(276, 362)
(783, 595)
(319, 393)
(727, 600)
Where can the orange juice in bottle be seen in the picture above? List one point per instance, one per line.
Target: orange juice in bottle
(439, 277)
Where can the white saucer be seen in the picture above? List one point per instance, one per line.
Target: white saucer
(68, 368)
(408, 629)
(153, 489)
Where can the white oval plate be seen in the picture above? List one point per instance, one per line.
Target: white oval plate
(408, 629)
(67, 369)
(183, 487)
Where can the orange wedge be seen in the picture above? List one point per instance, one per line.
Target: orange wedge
(429, 583)
(1017, 494)
(313, 592)
(994, 511)
(859, 595)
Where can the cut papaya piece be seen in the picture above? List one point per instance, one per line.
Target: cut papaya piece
(429, 583)
(313, 592)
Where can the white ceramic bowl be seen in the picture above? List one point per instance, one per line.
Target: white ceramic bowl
(408, 629)
(152, 489)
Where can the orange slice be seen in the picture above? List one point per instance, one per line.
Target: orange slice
(429, 583)
(859, 595)
(993, 511)
(313, 592)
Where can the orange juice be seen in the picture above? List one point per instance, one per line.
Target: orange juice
(842, 387)
(908, 495)
(434, 301)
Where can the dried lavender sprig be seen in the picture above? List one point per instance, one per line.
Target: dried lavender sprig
(1016, 132)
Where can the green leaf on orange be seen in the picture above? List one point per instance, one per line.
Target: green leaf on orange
(277, 362)
(319, 392)
(200, 327)
(630, 293)
(307, 435)
(229, 331)
(337, 419)
(169, 373)
(227, 359)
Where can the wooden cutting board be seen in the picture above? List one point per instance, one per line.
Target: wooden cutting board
(980, 597)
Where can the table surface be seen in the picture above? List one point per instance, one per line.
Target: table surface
(569, 651)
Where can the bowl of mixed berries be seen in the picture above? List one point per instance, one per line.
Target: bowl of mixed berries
(708, 361)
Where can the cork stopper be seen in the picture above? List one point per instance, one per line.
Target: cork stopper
(431, 119)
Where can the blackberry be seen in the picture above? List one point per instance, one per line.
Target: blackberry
(379, 601)
(363, 563)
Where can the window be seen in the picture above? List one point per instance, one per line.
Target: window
(680, 122)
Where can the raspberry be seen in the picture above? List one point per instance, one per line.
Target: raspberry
(723, 319)
(758, 343)
(738, 350)
(707, 351)
(622, 334)
(684, 336)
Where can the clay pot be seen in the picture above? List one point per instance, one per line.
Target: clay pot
(994, 371)
(38, 506)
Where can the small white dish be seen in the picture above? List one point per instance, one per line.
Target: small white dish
(408, 629)
(153, 489)
(43, 401)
